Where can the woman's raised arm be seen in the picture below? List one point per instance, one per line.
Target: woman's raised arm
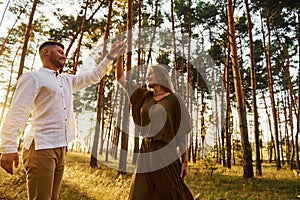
(120, 71)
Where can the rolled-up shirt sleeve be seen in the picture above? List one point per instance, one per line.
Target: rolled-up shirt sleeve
(18, 114)
(83, 80)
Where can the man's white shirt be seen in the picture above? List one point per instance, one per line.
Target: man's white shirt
(48, 97)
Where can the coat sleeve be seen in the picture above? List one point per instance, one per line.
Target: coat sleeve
(182, 120)
(136, 95)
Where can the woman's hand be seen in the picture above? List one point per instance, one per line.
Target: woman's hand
(184, 169)
(116, 50)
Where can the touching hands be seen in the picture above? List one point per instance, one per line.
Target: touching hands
(8, 161)
(117, 49)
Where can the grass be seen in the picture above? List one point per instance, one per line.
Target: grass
(103, 183)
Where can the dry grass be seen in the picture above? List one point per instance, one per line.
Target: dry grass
(82, 182)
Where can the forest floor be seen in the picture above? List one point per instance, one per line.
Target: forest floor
(103, 183)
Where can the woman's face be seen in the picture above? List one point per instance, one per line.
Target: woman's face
(151, 78)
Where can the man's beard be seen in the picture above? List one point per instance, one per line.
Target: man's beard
(56, 62)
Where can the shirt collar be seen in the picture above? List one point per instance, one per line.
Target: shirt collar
(49, 70)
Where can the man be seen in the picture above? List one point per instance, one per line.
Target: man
(48, 96)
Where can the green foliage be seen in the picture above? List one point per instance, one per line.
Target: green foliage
(206, 13)
(209, 165)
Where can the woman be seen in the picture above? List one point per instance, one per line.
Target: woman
(164, 122)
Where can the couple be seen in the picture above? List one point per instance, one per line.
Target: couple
(48, 96)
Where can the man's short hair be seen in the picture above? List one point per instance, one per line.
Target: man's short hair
(50, 43)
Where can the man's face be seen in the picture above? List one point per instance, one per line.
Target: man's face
(57, 56)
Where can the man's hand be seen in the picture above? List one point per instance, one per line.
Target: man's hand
(8, 160)
(117, 49)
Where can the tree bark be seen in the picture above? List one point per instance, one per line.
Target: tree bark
(153, 35)
(298, 117)
(137, 129)
(126, 111)
(27, 36)
(100, 93)
(74, 36)
(8, 86)
(81, 32)
(174, 47)
(253, 91)
(228, 110)
(273, 105)
(247, 154)
(10, 30)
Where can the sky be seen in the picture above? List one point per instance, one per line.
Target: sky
(5, 21)
(48, 7)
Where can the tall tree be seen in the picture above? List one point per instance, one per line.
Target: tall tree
(21, 11)
(228, 109)
(298, 120)
(125, 124)
(139, 61)
(100, 94)
(253, 90)
(27, 35)
(9, 87)
(155, 26)
(271, 90)
(81, 32)
(247, 153)
(174, 46)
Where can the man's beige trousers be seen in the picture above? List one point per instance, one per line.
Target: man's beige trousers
(44, 169)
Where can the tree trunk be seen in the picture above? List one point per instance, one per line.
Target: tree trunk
(197, 124)
(74, 36)
(126, 111)
(228, 110)
(280, 136)
(100, 93)
(117, 129)
(270, 147)
(253, 91)
(174, 47)
(247, 154)
(202, 125)
(291, 102)
(10, 30)
(26, 40)
(286, 134)
(112, 111)
(137, 129)
(153, 35)
(270, 127)
(81, 32)
(273, 105)
(189, 88)
(298, 117)
(8, 86)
